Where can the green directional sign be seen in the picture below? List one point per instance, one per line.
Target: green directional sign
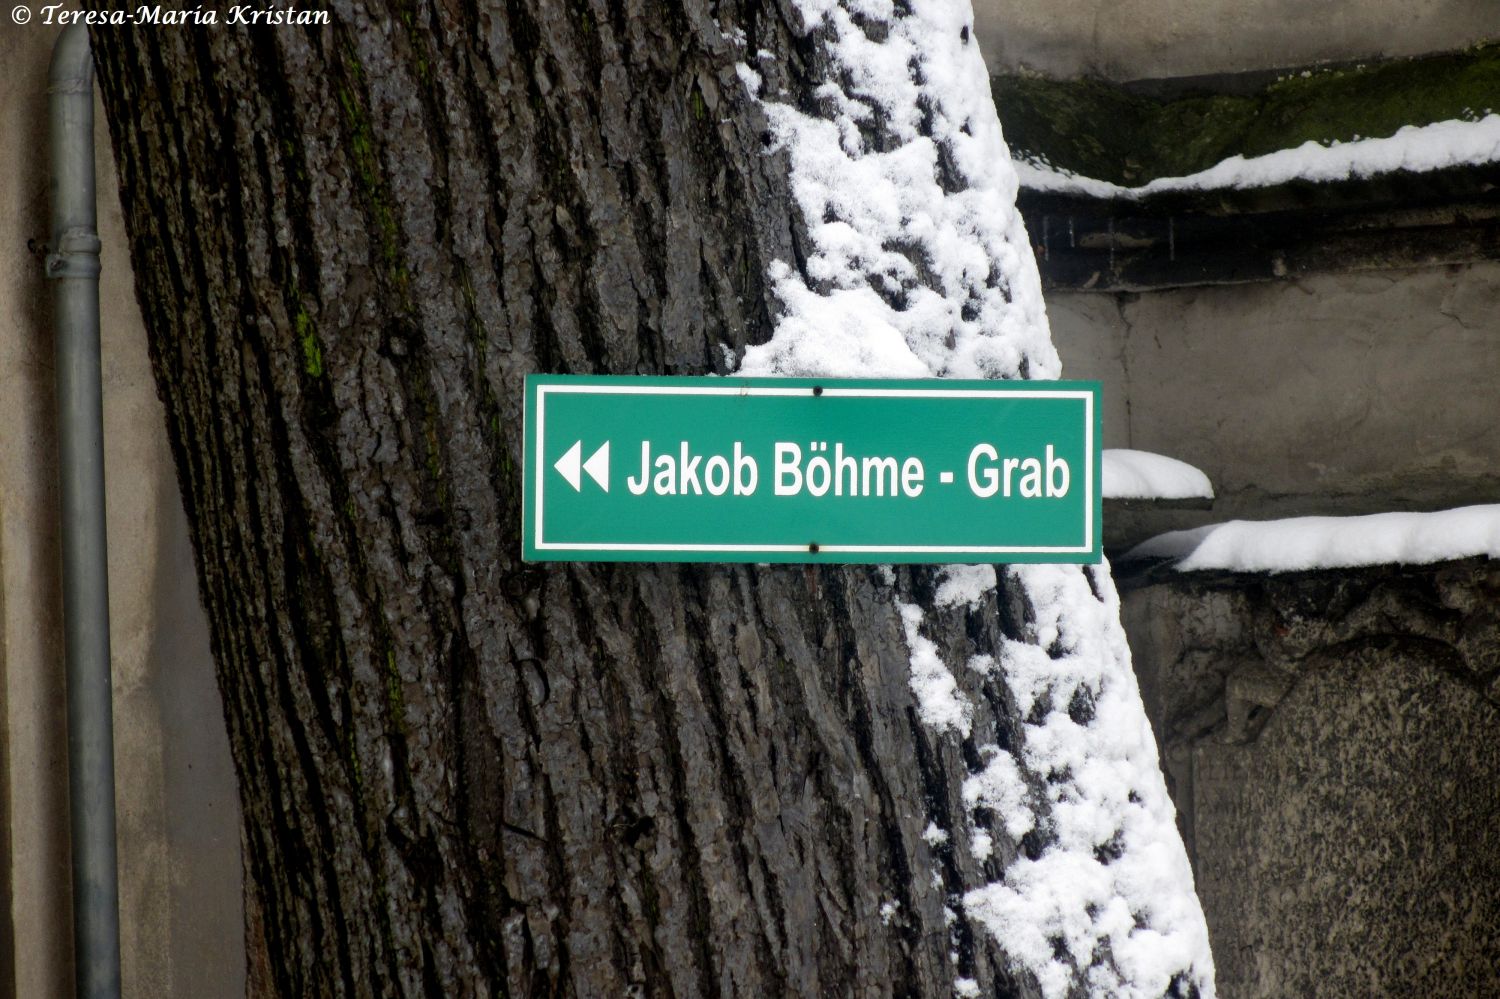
(810, 470)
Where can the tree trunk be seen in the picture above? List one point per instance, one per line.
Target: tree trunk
(466, 775)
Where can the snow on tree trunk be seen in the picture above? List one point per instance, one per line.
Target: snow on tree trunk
(918, 264)
(466, 775)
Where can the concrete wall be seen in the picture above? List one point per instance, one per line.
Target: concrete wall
(1148, 39)
(179, 851)
(1337, 394)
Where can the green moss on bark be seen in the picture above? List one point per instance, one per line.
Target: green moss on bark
(312, 351)
(371, 178)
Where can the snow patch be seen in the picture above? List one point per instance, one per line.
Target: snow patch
(939, 702)
(749, 77)
(1001, 787)
(1115, 874)
(1303, 543)
(934, 836)
(1142, 475)
(964, 584)
(904, 278)
(1038, 176)
(1414, 148)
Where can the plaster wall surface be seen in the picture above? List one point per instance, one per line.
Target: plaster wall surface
(177, 806)
(1149, 39)
(1336, 394)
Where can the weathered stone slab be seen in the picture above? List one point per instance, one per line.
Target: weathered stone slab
(1334, 741)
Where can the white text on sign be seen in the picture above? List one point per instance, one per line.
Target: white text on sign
(818, 472)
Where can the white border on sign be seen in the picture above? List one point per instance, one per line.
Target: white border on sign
(543, 391)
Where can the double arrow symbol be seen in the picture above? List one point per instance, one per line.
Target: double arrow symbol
(571, 465)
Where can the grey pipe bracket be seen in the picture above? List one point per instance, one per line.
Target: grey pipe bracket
(75, 256)
(82, 83)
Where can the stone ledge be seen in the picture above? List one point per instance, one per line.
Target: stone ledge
(1189, 238)
(1131, 134)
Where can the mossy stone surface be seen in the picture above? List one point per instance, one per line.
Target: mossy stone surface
(1113, 133)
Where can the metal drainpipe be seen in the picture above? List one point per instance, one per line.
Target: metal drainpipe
(73, 267)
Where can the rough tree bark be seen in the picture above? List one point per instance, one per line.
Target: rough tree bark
(462, 774)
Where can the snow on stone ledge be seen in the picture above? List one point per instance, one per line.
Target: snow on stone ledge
(1303, 543)
(1414, 148)
(1132, 474)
